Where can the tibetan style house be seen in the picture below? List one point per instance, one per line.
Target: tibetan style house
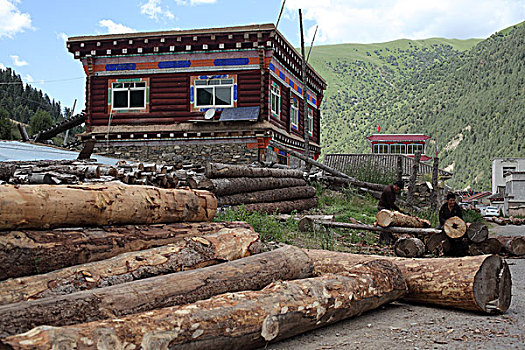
(207, 94)
(406, 144)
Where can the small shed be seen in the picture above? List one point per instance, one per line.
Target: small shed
(406, 144)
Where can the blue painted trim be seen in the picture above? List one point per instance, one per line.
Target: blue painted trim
(231, 61)
(235, 92)
(175, 64)
(121, 66)
(191, 94)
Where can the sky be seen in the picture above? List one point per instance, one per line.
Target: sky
(33, 33)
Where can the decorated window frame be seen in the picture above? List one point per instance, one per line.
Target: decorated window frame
(275, 100)
(310, 121)
(129, 95)
(213, 91)
(294, 113)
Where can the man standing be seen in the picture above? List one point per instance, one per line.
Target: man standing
(449, 209)
(388, 197)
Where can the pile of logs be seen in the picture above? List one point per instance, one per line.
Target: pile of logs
(269, 190)
(505, 221)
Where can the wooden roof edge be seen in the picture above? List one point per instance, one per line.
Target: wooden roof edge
(223, 30)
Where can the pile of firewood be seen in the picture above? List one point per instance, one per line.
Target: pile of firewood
(269, 190)
(457, 238)
(161, 275)
(505, 221)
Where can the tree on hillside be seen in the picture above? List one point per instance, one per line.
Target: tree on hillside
(5, 125)
(40, 121)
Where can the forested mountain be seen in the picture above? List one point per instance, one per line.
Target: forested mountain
(466, 94)
(23, 103)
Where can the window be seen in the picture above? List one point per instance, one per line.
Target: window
(398, 149)
(294, 113)
(507, 169)
(275, 99)
(380, 148)
(214, 93)
(129, 95)
(310, 121)
(413, 147)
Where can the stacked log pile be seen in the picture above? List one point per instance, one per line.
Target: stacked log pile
(505, 221)
(269, 190)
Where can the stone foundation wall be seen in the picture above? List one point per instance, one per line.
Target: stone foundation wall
(197, 154)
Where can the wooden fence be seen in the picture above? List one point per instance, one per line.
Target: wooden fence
(342, 162)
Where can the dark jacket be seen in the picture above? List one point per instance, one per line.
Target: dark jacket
(445, 214)
(388, 198)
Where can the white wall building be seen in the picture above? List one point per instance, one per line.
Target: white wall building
(514, 202)
(501, 166)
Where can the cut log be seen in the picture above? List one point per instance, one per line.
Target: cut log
(281, 207)
(273, 195)
(243, 320)
(478, 283)
(219, 170)
(455, 227)
(44, 206)
(422, 232)
(386, 218)
(409, 247)
(191, 253)
(251, 273)
(499, 221)
(438, 244)
(488, 246)
(27, 252)
(229, 186)
(477, 232)
(354, 182)
(513, 245)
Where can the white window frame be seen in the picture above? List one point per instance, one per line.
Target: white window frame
(294, 113)
(381, 148)
(310, 121)
(275, 99)
(223, 82)
(402, 146)
(413, 147)
(129, 87)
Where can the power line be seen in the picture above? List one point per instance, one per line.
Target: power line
(40, 81)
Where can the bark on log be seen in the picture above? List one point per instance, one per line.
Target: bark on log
(243, 320)
(43, 207)
(222, 187)
(335, 180)
(499, 221)
(219, 170)
(26, 252)
(422, 232)
(409, 247)
(386, 218)
(513, 245)
(478, 283)
(191, 253)
(438, 244)
(281, 207)
(477, 232)
(251, 273)
(489, 246)
(455, 227)
(274, 195)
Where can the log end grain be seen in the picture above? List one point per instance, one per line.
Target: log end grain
(492, 285)
(409, 247)
(384, 218)
(455, 227)
(513, 245)
(438, 244)
(477, 232)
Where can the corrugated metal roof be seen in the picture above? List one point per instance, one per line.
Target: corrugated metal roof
(240, 114)
(14, 150)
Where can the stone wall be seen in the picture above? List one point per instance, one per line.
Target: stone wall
(198, 154)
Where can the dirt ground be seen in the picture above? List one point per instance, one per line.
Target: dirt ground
(405, 326)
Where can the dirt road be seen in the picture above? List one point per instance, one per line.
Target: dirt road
(405, 326)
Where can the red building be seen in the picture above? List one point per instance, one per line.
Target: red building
(406, 144)
(207, 94)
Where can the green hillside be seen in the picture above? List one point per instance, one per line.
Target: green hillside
(466, 94)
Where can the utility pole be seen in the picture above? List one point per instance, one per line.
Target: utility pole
(305, 101)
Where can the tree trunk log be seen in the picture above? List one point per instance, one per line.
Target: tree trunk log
(477, 232)
(219, 170)
(274, 195)
(454, 227)
(194, 252)
(243, 320)
(222, 187)
(479, 283)
(499, 221)
(421, 232)
(251, 273)
(281, 207)
(25, 253)
(386, 218)
(438, 244)
(489, 246)
(354, 182)
(409, 247)
(513, 245)
(43, 207)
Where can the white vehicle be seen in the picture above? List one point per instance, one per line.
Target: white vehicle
(491, 211)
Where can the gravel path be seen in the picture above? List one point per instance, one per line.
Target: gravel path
(419, 327)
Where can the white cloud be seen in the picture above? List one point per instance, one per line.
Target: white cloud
(153, 9)
(194, 2)
(28, 79)
(17, 61)
(12, 21)
(384, 20)
(115, 28)
(62, 36)
(2, 67)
